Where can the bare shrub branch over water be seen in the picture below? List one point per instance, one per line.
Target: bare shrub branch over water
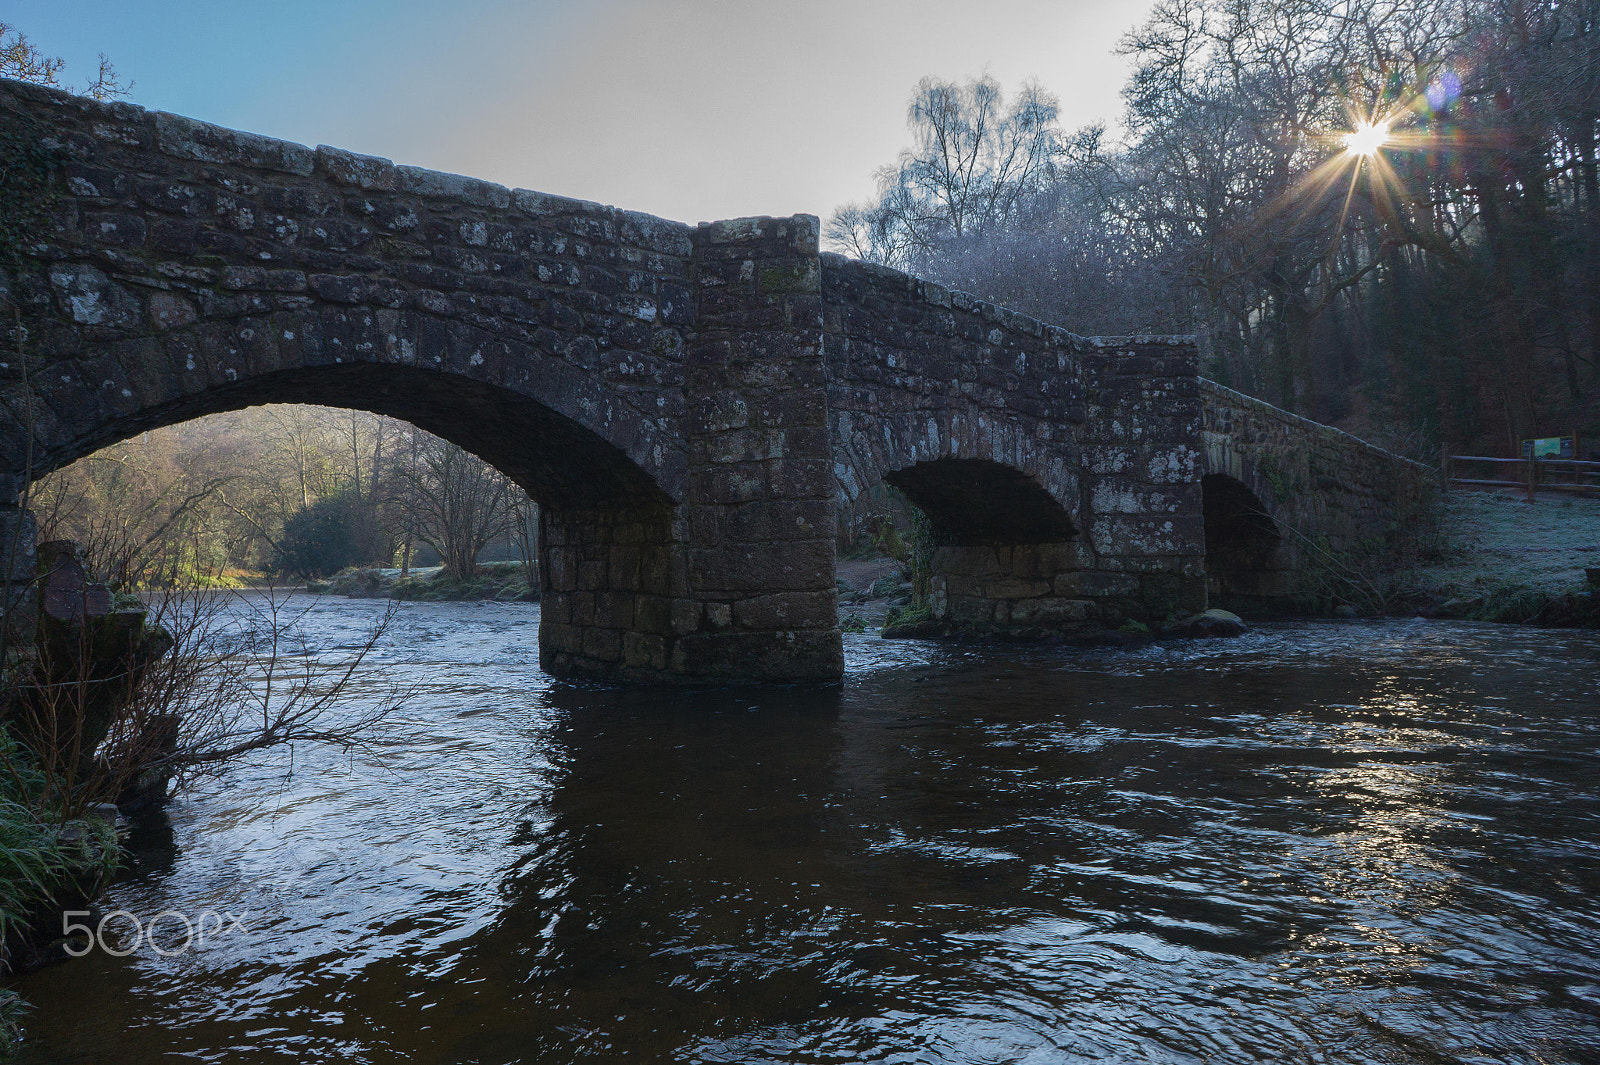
(236, 685)
(240, 676)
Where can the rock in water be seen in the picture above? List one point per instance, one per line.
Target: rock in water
(1212, 622)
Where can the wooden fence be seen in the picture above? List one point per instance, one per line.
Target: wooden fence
(1531, 475)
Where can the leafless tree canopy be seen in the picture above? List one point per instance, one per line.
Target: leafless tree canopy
(1445, 289)
(457, 504)
(20, 59)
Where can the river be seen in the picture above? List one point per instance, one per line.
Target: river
(1320, 842)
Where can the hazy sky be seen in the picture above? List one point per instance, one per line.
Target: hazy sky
(691, 110)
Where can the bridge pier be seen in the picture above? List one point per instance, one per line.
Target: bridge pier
(737, 580)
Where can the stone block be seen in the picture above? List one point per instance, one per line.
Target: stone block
(614, 610)
(686, 615)
(555, 607)
(787, 610)
(778, 520)
(1134, 535)
(803, 654)
(187, 138)
(1043, 561)
(655, 234)
(604, 645)
(625, 566)
(114, 229)
(805, 565)
(733, 230)
(171, 311)
(644, 651)
(442, 186)
(652, 613)
(558, 637)
(585, 612)
(593, 574)
(958, 584)
(547, 205)
(1049, 611)
(970, 610)
(1096, 583)
(978, 561)
(357, 171)
(1014, 588)
(88, 297)
(560, 565)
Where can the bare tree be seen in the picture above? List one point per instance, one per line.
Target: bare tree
(972, 162)
(458, 503)
(220, 682)
(20, 59)
(524, 525)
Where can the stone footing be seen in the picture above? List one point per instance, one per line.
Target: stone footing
(1049, 586)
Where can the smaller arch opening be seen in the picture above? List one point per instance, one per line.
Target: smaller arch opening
(1242, 540)
(975, 501)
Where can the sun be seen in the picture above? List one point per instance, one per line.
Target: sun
(1367, 138)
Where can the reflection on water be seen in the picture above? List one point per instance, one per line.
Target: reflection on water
(1317, 843)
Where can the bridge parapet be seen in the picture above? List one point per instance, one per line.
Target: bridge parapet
(1326, 495)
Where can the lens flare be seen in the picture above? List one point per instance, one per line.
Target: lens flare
(1367, 138)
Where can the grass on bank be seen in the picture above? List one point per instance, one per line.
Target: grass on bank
(43, 859)
(1513, 561)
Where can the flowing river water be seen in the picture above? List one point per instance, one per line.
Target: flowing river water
(1319, 842)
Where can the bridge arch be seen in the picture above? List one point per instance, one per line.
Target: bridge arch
(1243, 542)
(1042, 458)
(607, 539)
(557, 460)
(977, 502)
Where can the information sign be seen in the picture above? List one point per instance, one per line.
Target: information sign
(1551, 447)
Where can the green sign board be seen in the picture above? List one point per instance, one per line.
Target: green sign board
(1551, 447)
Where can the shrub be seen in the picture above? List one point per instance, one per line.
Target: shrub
(331, 534)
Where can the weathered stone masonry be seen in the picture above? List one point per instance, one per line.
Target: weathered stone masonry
(192, 269)
(1317, 488)
(689, 404)
(1060, 470)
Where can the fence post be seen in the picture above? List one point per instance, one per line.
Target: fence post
(1444, 467)
(1532, 473)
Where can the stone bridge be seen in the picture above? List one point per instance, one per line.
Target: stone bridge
(693, 406)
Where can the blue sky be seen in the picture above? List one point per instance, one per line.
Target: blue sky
(691, 110)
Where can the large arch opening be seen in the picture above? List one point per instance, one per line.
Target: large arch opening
(605, 534)
(558, 462)
(988, 547)
(974, 502)
(1242, 540)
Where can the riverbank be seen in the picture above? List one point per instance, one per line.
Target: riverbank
(48, 864)
(503, 581)
(1507, 560)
